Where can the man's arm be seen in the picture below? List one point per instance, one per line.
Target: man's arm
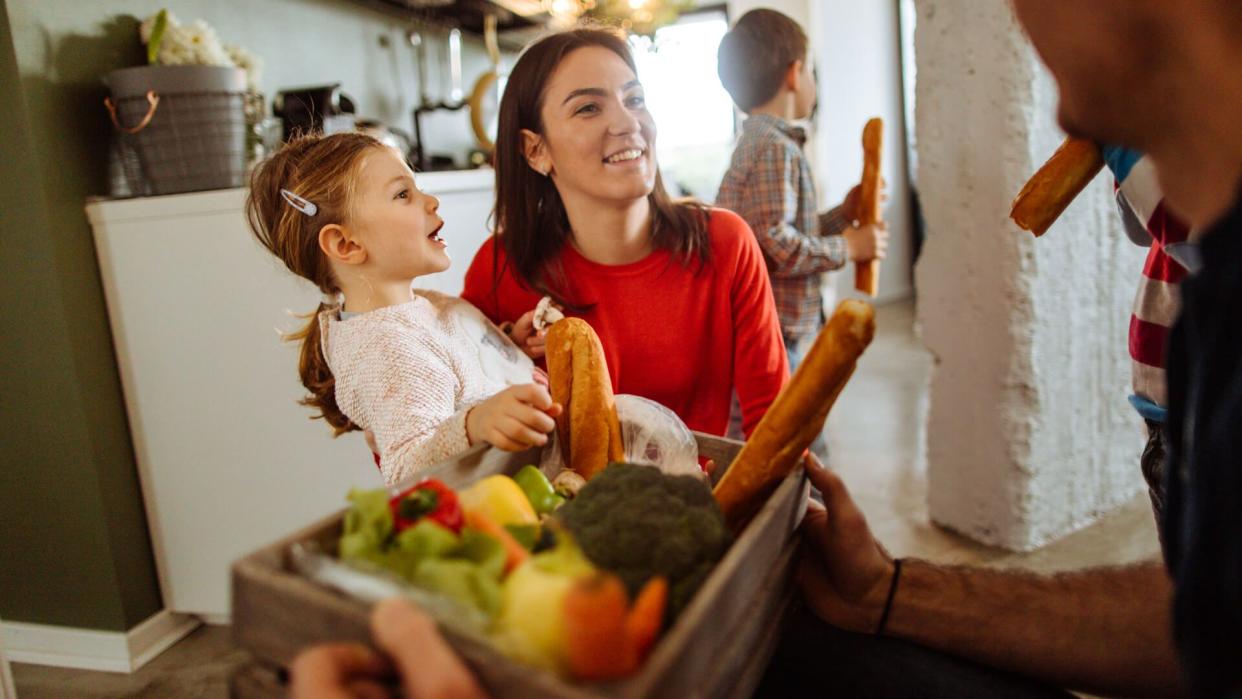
(1103, 630)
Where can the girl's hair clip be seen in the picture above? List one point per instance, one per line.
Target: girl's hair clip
(299, 203)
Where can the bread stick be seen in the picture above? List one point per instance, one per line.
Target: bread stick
(797, 414)
(1051, 189)
(867, 274)
(588, 430)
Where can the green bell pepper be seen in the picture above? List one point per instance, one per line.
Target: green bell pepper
(538, 490)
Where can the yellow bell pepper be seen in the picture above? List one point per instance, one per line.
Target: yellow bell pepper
(499, 499)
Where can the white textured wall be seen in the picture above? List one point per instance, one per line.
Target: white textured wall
(1029, 435)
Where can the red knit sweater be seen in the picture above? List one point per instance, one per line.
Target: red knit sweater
(682, 336)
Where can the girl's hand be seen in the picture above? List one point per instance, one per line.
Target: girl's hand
(532, 342)
(517, 418)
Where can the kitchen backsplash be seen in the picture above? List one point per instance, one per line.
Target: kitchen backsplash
(301, 42)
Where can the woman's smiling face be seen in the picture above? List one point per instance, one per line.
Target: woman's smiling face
(598, 140)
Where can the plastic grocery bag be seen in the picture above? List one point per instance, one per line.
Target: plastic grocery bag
(652, 434)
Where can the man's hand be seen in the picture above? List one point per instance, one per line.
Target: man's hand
(425, 663)
(844, 573)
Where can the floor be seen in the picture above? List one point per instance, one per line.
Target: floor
(873, 438)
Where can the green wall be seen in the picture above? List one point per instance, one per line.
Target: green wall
(74, 547)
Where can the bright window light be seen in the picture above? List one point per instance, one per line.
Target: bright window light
(692, 111)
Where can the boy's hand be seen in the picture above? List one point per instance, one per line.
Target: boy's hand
(515, 419)
(866, 243)
(532, 342)
(849, 205)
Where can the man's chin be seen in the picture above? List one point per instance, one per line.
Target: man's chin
(1073, 127)
(1097, 127)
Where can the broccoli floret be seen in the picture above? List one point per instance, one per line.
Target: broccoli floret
(638, 522)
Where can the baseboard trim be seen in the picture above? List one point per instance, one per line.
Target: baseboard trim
(216, 619)
(90, 649)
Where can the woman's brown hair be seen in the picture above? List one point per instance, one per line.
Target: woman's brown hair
(531, 223)
(320, 170)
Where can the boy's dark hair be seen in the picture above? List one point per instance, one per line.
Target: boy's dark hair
(755, 54)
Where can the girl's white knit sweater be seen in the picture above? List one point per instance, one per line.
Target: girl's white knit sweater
(411, 372)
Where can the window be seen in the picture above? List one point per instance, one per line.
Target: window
(692, 111)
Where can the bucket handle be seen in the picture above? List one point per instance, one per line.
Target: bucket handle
(152, 99)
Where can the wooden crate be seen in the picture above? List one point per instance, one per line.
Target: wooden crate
(718, 646)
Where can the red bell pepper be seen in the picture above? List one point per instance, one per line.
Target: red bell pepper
(431, 500)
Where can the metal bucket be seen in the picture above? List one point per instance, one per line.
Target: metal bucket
(187, 125)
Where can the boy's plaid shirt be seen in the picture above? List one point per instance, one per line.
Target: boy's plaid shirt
(769, 184)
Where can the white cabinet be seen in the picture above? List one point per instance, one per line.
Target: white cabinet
(228, 459)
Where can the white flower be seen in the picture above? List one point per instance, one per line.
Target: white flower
(205, 46)
(175, 49)
(247, 61)
(198, 44)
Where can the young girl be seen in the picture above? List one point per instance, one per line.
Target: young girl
(425, 373)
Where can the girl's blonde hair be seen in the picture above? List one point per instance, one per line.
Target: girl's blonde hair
(321, 170)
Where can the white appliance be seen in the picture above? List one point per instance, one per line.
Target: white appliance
(228, 459)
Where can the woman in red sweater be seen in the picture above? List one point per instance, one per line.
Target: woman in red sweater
(678, 293)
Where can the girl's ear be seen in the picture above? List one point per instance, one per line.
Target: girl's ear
(536, 151)
(340, 246)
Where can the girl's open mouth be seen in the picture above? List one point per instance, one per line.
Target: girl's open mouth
(435, 235)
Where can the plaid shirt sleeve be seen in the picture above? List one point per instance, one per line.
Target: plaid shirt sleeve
(833, 222)
(772, 210)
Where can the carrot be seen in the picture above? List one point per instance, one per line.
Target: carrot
(642, 626)
(515, 553)
(596, 643)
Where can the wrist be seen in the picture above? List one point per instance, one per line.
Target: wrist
(851, 248)
(472, 428)
(890, 596)
(872, 601)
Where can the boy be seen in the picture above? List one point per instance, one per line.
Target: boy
(764, 64)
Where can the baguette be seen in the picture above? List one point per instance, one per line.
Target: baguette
(1051, 189)
(867, 274)
(797, 414)
(588, 430)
